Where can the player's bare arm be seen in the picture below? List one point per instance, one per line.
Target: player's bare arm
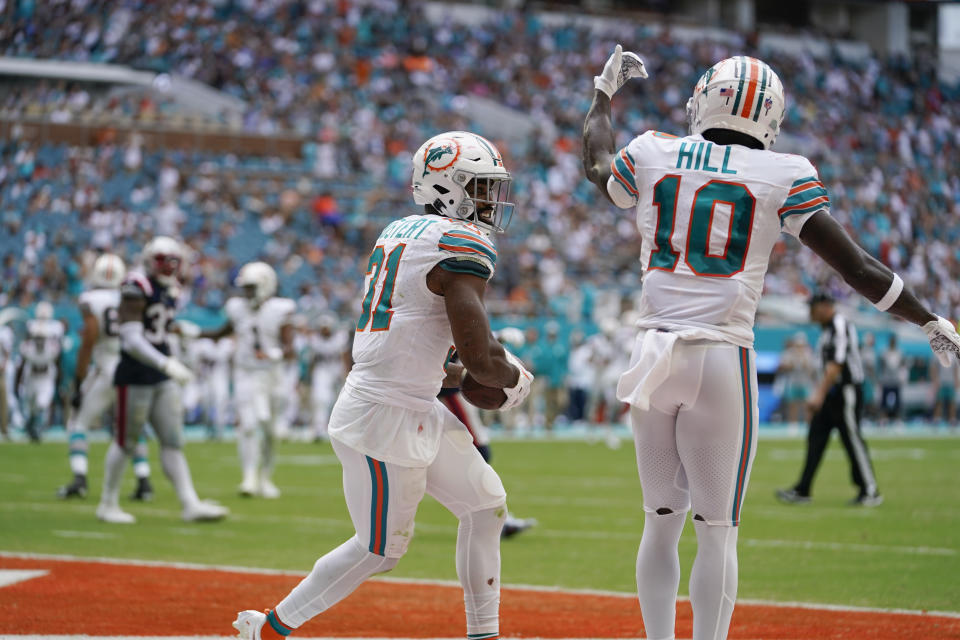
(868, 276)
(599, 142)
(88, 338)
(479, 351)
(287, 333)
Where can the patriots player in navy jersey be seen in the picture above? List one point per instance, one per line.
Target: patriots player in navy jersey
(148, 382)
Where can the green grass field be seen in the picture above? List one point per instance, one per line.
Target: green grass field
(587, 499)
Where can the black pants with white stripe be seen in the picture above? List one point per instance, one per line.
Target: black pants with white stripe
(841, 410)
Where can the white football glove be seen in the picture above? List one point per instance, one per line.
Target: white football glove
(944, 339)
(187, 329)
(177, 371)
(620, 67)
(518, 392)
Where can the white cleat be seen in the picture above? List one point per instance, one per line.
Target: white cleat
(114, 515)
(204, 511)
(249, 623)
(248, 488)
(268, 489)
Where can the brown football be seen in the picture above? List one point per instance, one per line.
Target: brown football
(480, 395)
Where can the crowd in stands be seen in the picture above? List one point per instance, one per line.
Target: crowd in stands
(366, 84)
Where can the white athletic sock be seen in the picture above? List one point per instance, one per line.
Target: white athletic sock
(175, 466)
(713, 581)
(267, 453)
(334, 577)
(658, 573)
(478, 567)
(113, 475)
(141, 468)
(248, 448)
(78, 448)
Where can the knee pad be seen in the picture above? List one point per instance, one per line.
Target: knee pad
(372, 563)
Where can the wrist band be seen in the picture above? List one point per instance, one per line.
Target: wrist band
(896, 288)
(463, 374)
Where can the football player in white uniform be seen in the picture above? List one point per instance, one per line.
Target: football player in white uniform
(262, 325)
(94, 392)
(329, 347)
(39, 370)
(212, 358)
(7, 404)
(709, 208)
(422, 299)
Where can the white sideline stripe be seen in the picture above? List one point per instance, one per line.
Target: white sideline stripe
(65, 533)
(447, 583)
(547, 533)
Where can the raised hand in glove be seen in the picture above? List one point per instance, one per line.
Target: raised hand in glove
(620, 67)
(177, 371)
(944, 339)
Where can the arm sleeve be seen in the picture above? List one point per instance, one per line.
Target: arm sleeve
(135, 344)
(465, 251)
(622, 184)
(806, 196)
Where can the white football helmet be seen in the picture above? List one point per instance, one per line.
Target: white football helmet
(740, 94)
(258, 280)
(43, 311)
(461, 175)
(108, 272)
(162, 259)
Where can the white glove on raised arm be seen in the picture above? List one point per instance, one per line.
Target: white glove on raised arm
(189, 330)
(620, 67)
(518, 392)
(944, 339)
(177, 371)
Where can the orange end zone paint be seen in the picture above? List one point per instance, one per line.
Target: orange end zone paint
(93, 598)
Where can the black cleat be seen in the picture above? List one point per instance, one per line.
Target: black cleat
(76, 489)
(143, 492)
(512, 526)
(790, 496)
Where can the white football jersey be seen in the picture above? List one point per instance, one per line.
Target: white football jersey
(103, 303)
(258, 329)
(403, 340)
(7, 339)
(41, 347)
(328, 351)
(709, 216)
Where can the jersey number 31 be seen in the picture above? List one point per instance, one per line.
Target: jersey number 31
(380, 320)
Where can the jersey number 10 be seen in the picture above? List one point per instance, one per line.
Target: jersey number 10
(382, 312)
(697, 253)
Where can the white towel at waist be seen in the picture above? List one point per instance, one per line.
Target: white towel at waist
(649, 369)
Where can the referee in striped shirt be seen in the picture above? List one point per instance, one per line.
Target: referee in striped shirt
(836, 404)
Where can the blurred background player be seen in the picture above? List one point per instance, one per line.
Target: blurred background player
(39, 370)
(422, 300)
(148, 382)
(94, 392)
(795, 374)
(7, 373)
(212, 359)
(710, 207)
(262, 327)
(328, 349)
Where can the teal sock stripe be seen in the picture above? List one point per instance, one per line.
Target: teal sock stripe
(483, 636)
(139, 459)
(278, 626)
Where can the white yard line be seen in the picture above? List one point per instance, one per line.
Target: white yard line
(444, 583)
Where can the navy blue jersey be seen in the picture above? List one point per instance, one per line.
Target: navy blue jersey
(157, 317)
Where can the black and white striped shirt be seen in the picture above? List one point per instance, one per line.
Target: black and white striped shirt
(838, 343)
